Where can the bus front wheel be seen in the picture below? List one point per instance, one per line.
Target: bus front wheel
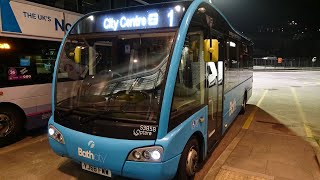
(11, 124)
(189, 160)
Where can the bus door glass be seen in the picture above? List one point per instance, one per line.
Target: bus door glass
(214, 93)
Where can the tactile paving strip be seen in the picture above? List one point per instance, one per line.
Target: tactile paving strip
(229, 173)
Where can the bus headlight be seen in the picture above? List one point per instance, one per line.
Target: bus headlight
(146, 154)
(155, 155)
(55, 134)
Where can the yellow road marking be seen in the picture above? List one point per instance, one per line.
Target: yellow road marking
(251, 116)
(301, 114)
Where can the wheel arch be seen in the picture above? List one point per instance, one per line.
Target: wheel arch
(15, 106)
(200, 138)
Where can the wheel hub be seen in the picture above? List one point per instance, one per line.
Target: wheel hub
(192, 162)
(6, 125)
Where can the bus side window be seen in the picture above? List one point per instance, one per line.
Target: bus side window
(189, 88)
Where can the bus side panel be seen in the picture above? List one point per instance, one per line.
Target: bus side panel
(37, 120)
(175, 141)
(232, 102)
(34, 100)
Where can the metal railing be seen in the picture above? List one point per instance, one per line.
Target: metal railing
(287, 63)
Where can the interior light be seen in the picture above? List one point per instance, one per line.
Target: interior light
(135, 60)
(4, 46)
(91, 18)
(202, 10)
(232, 44)
(177, 8)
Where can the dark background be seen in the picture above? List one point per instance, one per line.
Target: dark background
(283, 28)
(269, 24)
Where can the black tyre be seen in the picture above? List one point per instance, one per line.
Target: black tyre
(189, 160)
(11, 124)
(244, 104)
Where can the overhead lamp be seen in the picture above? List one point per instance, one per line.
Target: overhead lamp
(178, 8)
(202, 9)
(91, 18)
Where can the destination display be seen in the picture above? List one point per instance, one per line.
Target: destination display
(130, 20)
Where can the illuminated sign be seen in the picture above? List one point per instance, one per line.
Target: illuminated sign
(136, 22)
(130, 20)
(141, 20)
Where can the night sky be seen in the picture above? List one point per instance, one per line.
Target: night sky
(246, 15)
(266, 22)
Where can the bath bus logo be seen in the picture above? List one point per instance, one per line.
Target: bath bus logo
(88, 154)
(91, 144)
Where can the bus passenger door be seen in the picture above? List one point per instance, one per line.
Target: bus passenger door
(212, 95)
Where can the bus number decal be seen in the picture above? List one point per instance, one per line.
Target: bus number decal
(144, 130)
(232, 106)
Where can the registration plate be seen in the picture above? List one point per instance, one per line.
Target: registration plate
(96, 170)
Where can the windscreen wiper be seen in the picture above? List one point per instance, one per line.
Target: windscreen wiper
(69, 110)
(87, 119)
(95, 116)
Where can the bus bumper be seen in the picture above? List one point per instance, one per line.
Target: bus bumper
(132, 169)
(148, 170)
